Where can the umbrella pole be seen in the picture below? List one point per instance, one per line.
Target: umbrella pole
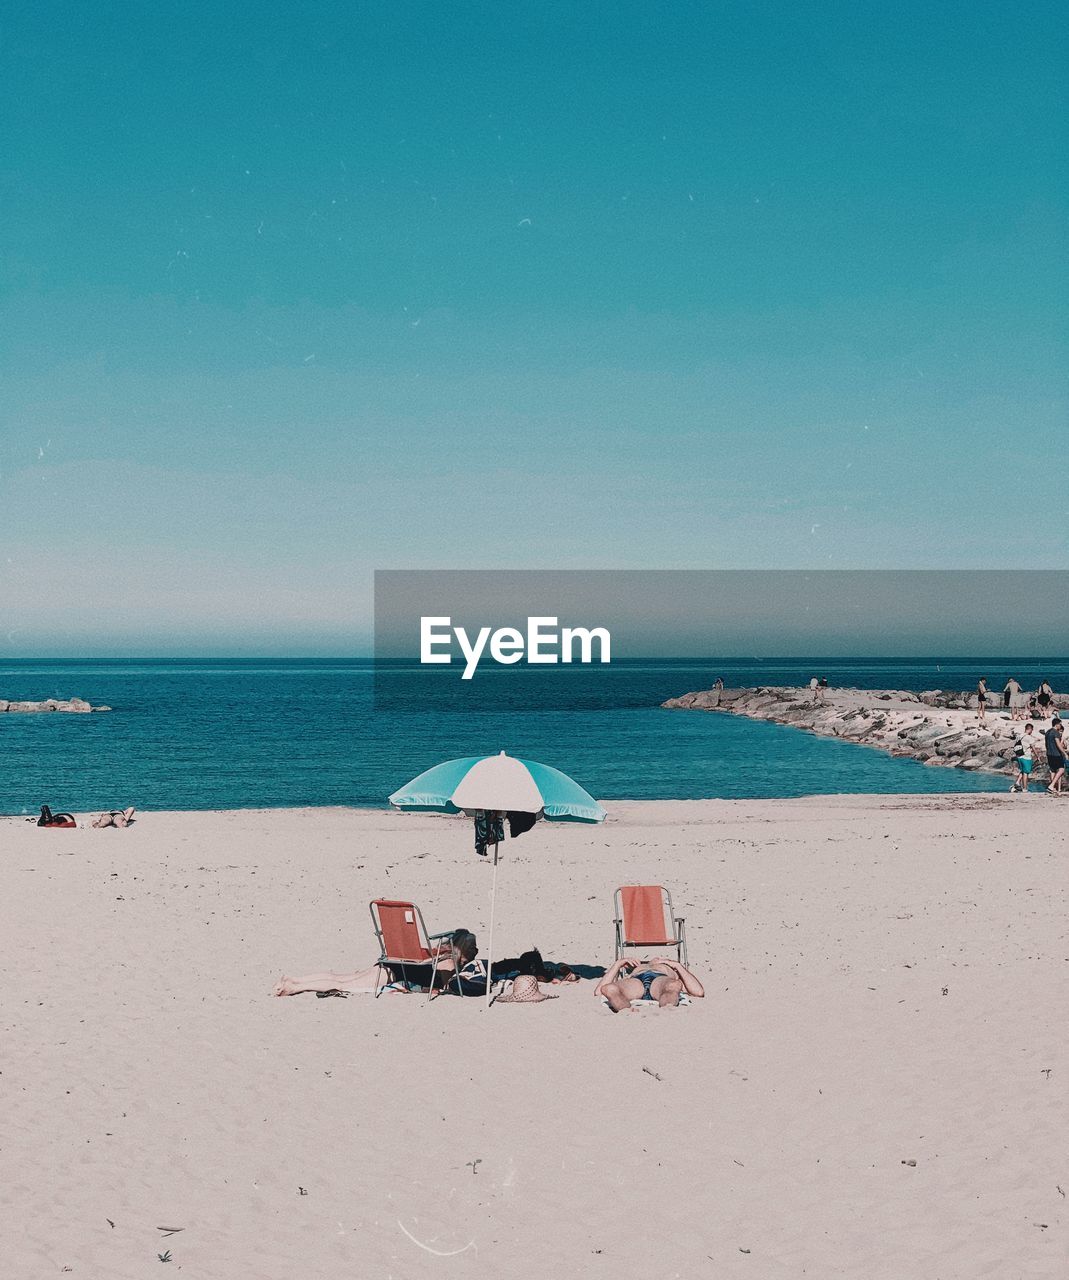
(490, 944)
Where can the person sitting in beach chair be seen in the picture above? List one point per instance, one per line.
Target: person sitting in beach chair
(630, 982)
(413, 956)
(453, 968)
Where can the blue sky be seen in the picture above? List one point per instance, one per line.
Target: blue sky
(295, 293)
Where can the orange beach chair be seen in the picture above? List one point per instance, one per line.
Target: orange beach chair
(403, 938)
(645, 918)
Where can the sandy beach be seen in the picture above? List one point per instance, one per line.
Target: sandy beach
(876, 1086)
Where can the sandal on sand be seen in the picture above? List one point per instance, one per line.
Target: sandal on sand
(323, 995)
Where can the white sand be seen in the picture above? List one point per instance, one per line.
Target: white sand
(886, 982)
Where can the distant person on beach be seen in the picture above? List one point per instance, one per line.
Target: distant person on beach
(466, 977)
(1011, 689)
(813, 685)
(981, 698)
(1044, 697)
(659, 981)
(1024, 750)
(115, 818)
(718, 684)
(1032, 710)
(822, 689)
(1055, 744)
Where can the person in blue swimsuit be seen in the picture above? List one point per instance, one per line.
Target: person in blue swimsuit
(659, 981)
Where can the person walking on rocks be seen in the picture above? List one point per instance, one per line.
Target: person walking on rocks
(981, 698)
(1055, 744)
(1025, 748)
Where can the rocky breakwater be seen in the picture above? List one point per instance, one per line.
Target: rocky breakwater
(77, 705)
(939, 727)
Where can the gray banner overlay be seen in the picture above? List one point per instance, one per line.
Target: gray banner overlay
(502, 627)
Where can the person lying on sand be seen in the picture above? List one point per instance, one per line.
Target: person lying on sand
(115, 818)
(465, 976)
(50, 819)
(659, 981)
(531, 964)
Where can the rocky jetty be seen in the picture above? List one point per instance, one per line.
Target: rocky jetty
(77, 705)
(939, 727)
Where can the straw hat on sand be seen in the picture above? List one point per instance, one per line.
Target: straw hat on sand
(525, 990)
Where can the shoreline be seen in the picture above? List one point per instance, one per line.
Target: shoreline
(85, 816)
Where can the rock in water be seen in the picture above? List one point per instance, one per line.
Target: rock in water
(78, 706)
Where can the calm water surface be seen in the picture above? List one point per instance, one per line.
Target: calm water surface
(230, 734)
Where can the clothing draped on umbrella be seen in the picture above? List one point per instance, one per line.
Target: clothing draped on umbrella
(491, 788)
(489, 830)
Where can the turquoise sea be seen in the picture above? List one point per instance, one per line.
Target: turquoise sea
(248, 734)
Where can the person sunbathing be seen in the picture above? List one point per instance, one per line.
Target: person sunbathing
(458, 971)
(115, 818)
(659, 981)
(531, 964)
(50, 819)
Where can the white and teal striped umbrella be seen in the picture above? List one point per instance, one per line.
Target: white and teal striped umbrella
(499, 782)
(503, 783)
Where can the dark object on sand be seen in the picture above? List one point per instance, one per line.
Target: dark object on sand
(50, 819)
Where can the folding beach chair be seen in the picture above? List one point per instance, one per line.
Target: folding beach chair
(403, 938)
(645, 918)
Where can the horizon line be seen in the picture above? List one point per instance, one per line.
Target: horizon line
(411, 661)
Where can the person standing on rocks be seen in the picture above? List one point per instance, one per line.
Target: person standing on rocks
(813, 689)
(822, 689)
(1055, 743)
(981, 699)
(1009, 694)
(1044, 696)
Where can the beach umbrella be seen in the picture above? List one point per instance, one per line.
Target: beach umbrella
(498, 784)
